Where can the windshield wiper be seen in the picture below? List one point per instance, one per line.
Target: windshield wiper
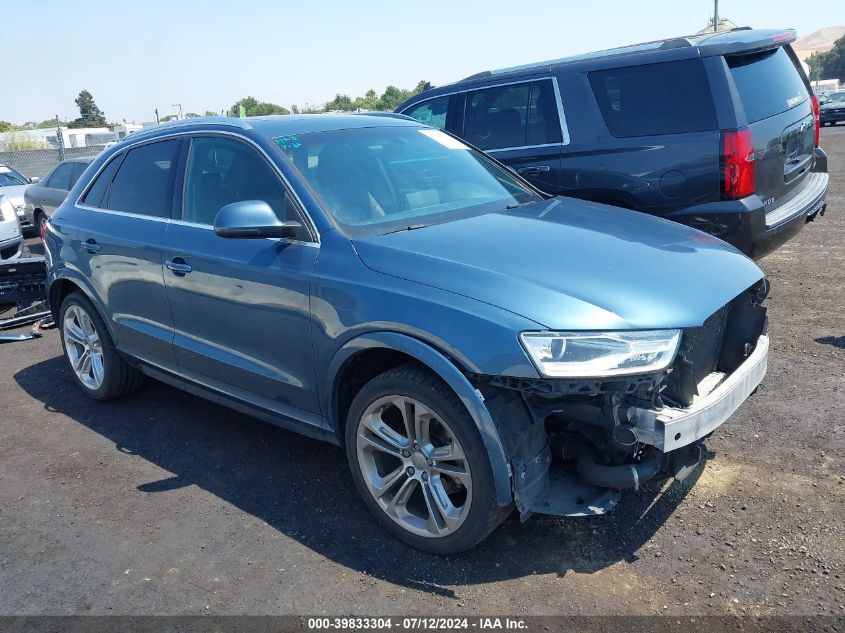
(410, 227)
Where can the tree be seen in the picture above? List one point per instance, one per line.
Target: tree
(340, 102)
(829, 65)
(210, 113)
(5, 126)
(392, 97)
(294, 108)
(89, 114)
(253, 107)
(191, 115)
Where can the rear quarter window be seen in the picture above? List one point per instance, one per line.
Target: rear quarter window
(768, 83)
(654, 99)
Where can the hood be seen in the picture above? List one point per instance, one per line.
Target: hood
(14, 193)
(570, 264)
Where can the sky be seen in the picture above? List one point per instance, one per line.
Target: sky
(137, 56)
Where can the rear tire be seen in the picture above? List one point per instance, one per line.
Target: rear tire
(429, 481)
(95, 363)
(39, 219)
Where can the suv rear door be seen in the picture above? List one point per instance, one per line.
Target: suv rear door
(518, 123)
(776, 101)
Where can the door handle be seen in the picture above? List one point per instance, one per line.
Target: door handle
(179, 266)
(534, 169)
(91, 245)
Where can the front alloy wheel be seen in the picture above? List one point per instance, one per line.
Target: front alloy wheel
(414, 466)
(419, 462)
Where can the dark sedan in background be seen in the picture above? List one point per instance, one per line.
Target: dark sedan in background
(832, 109)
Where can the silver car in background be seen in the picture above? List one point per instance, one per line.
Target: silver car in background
(13, 184)
(11, 235)
(40, 200)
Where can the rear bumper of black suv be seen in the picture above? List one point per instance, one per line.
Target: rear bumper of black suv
(753, 228)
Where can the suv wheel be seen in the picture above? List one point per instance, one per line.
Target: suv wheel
(419, 462)
(96, 365)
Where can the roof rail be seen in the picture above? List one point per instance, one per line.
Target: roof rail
(389, 115)
(202, 120)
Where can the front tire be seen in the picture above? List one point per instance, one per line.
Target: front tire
(95, 363)
(419, 462)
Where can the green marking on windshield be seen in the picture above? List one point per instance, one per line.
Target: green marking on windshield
(288, 142)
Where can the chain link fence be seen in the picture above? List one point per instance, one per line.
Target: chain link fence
(39, 162)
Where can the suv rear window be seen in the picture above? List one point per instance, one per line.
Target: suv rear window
(768, 83)
(666, 98)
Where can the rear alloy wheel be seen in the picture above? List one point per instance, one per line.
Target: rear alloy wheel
(419, 462)
(83, 347)
(96, 365)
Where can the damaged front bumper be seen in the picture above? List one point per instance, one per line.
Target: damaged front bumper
(669, 438)
(672, 428)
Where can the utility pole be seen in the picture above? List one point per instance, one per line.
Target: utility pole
(180, 109)
(157, 121)
(60, 139)
(715, 15)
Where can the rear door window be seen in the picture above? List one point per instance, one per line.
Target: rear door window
(97, 192)
(768, 83)
(513, 115)
(78, 169)
(144, 182)
(61, 177)
(654, 99)
(432, 112)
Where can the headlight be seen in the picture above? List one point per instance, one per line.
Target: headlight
(7, 210)
(600, 354)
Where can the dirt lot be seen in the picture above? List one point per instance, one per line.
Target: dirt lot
(163, 503)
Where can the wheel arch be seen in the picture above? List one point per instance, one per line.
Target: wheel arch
(378, 351)
(62, 286)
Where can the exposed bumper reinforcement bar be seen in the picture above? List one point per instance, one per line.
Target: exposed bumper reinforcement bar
(672, 428)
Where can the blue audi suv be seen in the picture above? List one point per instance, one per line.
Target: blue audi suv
(475, 346)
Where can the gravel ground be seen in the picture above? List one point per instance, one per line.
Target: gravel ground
(162, 503)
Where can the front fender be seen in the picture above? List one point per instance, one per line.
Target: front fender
(446, 370)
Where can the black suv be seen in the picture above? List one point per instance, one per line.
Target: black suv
(717, 131)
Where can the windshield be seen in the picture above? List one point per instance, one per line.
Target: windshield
(385, 179)
(836, 96)
(9, 177)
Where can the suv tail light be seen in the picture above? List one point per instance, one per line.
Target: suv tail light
(737, 164)
(43, 230)
(816, 119)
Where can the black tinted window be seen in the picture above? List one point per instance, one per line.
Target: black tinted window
(432, 112)
(768, 83)
(543, 125)
(61, 177)
(96, 194)
(512, 116)
(144, 182)
(668, 98)
(78, 169)
(221, 171)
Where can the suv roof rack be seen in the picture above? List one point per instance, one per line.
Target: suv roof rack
(683, 41)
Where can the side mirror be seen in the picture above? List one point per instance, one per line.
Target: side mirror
(252, 219)
(35, 180)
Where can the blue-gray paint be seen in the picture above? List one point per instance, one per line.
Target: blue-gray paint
(265, 325)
